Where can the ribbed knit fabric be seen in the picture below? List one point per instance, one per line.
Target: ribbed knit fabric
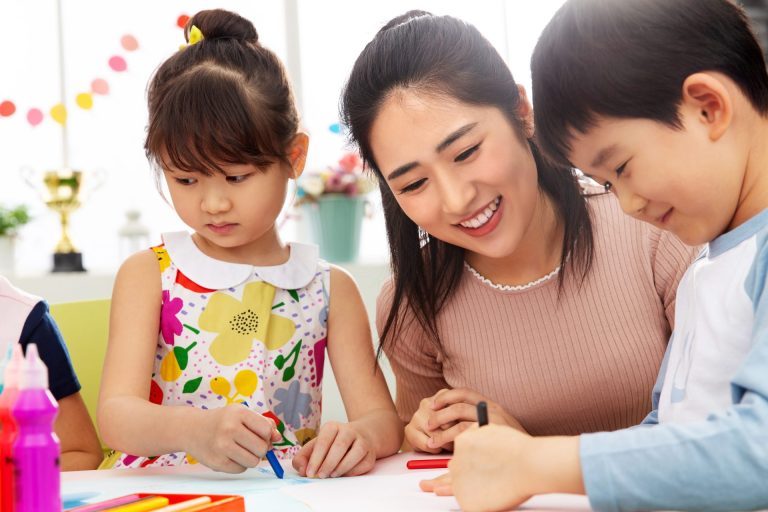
(583, 362)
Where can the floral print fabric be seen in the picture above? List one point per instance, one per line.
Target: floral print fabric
(252, 344)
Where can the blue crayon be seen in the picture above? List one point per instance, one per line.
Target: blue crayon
(276, 467)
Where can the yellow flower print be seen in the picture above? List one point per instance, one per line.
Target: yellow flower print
(240, 322)
(246, 382)
(162, 257)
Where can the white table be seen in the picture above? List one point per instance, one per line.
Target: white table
(389, 487)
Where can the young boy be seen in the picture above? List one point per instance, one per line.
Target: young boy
(25, 318)
(665, 102)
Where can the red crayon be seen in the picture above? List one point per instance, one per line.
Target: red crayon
(427, 463)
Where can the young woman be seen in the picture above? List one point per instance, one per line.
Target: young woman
(512, 281)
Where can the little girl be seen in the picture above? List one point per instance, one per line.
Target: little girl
(218, 339)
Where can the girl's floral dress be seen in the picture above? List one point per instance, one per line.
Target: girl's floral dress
(239, 334)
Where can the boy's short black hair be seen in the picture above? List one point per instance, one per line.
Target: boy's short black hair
(629, 59)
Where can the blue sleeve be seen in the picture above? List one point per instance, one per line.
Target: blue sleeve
(720, 463)
(653, 416)
(40, 328)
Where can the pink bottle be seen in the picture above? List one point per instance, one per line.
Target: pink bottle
(8, 427)
(36, 450)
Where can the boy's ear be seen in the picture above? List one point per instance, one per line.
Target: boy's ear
(297, 154)
(525, 112)
(709, 100)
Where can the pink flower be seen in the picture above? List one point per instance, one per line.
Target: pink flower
(349, 162)
(169, 324)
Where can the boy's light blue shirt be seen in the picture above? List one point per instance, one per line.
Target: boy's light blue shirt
(718, 461)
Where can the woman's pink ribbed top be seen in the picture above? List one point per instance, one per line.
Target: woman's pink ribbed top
(583, 362)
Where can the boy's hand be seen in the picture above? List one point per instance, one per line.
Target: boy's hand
(338, 450)
(498, 468)
(488, 470)
(232, 438)
(449, 413)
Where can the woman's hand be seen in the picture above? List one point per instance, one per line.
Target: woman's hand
(232, 438)
(417, 433)
(339, 449)
(448, 413)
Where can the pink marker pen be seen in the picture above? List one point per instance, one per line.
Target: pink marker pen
(36, 450)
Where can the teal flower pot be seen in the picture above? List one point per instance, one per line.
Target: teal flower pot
(336, 220)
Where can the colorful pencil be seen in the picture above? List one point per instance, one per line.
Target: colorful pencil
(103, 505)
(143, 505)
(184, 506)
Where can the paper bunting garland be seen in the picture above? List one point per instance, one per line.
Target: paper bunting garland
(84, 100)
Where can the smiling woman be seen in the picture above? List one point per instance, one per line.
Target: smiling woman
(512, 282)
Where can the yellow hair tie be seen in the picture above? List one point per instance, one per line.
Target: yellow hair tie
(195, 36)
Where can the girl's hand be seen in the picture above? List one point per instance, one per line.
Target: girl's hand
(232, 438)
(338, 450)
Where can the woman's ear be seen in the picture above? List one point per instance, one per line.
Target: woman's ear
(706, 98)
(297, 154)
(525, 112)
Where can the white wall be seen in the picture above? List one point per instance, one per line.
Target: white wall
(110, 136)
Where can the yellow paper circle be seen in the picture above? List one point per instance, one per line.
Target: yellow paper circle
(59, 113)
(84, 100)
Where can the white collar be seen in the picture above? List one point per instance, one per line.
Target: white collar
(208, 272)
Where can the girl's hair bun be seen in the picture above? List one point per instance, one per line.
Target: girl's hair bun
(222, 24)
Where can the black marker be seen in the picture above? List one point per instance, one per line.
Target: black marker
(482, 414)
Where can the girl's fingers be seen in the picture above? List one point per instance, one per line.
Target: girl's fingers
(323, 443)
(301, 459)
(356, 453)
(243, 457)
(344, 440)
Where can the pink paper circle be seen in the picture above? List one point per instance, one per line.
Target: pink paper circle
(100, 86)
(34, 116)
(117, 63)
(129, 43)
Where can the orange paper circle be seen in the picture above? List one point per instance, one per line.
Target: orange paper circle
(7, 108)
(100, 86)
(129, 43)
(182, 20)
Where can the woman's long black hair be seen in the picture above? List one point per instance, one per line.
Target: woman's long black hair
(445, 56)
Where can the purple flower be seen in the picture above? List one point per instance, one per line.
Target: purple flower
(169, 324)
(293, 404)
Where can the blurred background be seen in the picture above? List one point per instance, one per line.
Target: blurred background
(108, 53)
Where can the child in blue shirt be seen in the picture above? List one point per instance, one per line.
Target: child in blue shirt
(25, 318)
(664, 102)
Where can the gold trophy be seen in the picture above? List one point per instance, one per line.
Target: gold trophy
(62, 193)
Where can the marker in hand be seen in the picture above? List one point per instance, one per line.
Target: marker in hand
(482, 414)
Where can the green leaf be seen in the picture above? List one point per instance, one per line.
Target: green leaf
(12, 218)
(294, 294)
(191, 385)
